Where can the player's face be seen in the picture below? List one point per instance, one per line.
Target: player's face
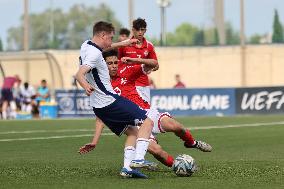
(107, 38)
(112, 64)
(139, 34)
(122, 37)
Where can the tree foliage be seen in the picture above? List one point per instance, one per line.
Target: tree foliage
(277, 36)
(183, 35)
(255, 39)
(70, 28)
(1, 45)
(232, 36)
(190, 35)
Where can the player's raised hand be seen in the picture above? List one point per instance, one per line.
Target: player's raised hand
(126, 60)
(87, 148)
(129, 42)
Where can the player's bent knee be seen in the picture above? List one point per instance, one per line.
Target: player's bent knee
(153, 114)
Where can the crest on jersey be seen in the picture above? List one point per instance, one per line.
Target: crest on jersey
(117, 90)
(146, 53)
(123, 81)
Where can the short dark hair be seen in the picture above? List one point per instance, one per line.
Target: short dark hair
(102, 26)
(139, 23)
(109, 53)
(43, 81)
(124, 31)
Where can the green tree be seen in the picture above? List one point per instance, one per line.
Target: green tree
(1, 45)
(70, 29)
(199, 38)
(154, 40)
(184, 35)
(211, 36)
(232, 37)
(255, 39)
(216, 37)
(15, 38)
(40, 31)
(80, 27)
(277, 36)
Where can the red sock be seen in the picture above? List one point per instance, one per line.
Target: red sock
(170, 161)
(188, 138)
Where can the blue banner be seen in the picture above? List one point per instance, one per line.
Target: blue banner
(178, 102)
(194, 101)
(73, 103)
(260, 100)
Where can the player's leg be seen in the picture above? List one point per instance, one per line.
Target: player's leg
(129, 147)
(123, 112)
(13, 107)
(143, 141)
(157, 151)
(4, 109)
(129, 154)
(168, 124)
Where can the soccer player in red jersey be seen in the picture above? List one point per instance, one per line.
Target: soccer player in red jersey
(124, 34)
(123, 81)
(144, 51)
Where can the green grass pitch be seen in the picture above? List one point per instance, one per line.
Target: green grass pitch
(43, 154)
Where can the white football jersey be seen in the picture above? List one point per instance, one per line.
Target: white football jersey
(98, 77)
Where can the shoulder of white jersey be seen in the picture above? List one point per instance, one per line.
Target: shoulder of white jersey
(89, 46)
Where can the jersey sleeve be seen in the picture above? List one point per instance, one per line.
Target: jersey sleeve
(120, 52)
(152, 53)
(91, 59)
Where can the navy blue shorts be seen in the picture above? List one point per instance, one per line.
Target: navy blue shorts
(121, 114)
(7, 95)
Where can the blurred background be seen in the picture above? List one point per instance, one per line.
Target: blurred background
(208, 45)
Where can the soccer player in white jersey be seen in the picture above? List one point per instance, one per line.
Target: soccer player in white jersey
(118, 113)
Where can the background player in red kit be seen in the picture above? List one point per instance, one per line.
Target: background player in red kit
(144, 51)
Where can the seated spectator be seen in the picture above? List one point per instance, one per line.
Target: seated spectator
(179, 84)
(43, 93)
(27, 96)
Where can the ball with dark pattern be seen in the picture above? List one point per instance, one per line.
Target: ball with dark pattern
(184, 165)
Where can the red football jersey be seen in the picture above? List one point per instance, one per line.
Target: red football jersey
(146, 51)
(124, 84)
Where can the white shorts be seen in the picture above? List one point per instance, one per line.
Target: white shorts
(157, 128)
(157, 123)
(144, 93)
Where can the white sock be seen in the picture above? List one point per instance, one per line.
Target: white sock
(129, 154)
(141, 148)
(4, 115)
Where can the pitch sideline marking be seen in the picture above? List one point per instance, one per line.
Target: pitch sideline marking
(107, 134)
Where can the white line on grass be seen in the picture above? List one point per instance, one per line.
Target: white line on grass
(46, 131)
(52, 137)
(107, 134)
(237, 125)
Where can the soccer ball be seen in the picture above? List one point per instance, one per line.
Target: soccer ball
(184, 165)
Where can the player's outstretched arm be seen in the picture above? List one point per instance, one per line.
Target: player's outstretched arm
(80, 77)
(124, 43)
(148, 62)
(90, 146)
(98, 131)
